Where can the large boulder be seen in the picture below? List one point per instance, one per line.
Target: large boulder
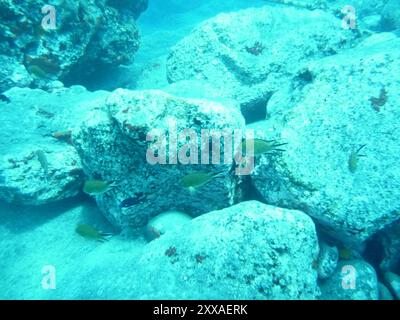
(115, 145)
(86, 34)
(38, 163)
(232, 52)
(247, 251)
(348, 101)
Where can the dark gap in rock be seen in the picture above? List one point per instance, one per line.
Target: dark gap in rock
(98, 77)
(374, 253)
(255, 110)
(23, 218)
(250, 191)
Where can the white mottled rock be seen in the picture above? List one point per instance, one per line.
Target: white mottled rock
(344, 102)
(30, 119)
(353, 280)
(232, 52)
(327, 260)
(165, 222)
(113, 147)
(247, 251)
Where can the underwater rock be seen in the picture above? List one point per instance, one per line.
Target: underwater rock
(199, 89)
(327, 260)
(353, 280)
(152, 75)
(133, 7)
(12, 73)
(232, 52)
(165, 222)
(391, 15)
(392, 281)
(384, 292)
(37, 161)
(390, 240)
(348, 101)
(362, 7)
(117, 145)
(85, 35)
(247, 251)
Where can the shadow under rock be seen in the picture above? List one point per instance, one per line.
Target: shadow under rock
(19, 219)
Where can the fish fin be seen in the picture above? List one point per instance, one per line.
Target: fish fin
(219, 174)
(192, 190)
(112, 185)
(360, 148)
(107, 234)
(281, 144)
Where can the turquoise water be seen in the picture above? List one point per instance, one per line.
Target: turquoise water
(242, 149)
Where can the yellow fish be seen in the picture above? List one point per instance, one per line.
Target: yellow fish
(345, 253)
(260, 146)
(197, 179)
(97, 187)
(91, 233)
(354, 158)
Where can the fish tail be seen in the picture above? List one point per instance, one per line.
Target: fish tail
(281, 144)
(219, 173)
(113, 184)
(279, 150)
(360, 148)
(107, 234)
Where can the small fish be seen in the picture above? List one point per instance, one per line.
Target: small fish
(92, 233)
(379, 102)
(129, 202)
(97, 187)
(261, 146)
(41, 156)
(4, 98)
(42, 67)
(315, 264)
(38, 72)
(354, 158)
(345, 253)
(62, 135)
(197, 179)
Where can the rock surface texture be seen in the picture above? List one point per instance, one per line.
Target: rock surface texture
(86, 34)
(339, 165)
(114, 146)
(38, 163)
